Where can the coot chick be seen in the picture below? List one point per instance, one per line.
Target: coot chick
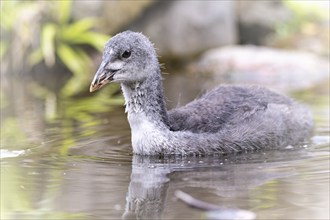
(225, 120)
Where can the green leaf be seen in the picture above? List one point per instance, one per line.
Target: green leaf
(93, 39)
(48, 43)
(69, 57)
(75, 85)
(77, 28)
(78, 62)
(64, 11)
(35, 57)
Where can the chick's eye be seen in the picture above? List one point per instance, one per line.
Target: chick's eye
(126, 54)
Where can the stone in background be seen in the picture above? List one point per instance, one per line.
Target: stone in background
(187, 28)
(282, 70)
(183, 29)
(257, 20)
(114, 15)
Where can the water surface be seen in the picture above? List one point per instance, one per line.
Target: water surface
(71, 159)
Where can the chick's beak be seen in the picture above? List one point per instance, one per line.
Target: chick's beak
(102, 77)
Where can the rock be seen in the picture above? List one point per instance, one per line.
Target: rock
(281, 70)
(82, 9)
(186, 28)
(114, 15)
(257, 20)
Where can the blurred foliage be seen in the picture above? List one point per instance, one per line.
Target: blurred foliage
(314, 9)
(35, 33)
(308, 27)
(47, 118)
(79, 109)
(43, 31)
(305, 13)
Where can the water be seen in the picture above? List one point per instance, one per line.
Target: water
(71, 159)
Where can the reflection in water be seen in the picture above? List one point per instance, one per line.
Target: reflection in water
(147, 190)
(230, 177)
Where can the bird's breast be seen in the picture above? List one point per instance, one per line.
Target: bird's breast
(146, 135)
